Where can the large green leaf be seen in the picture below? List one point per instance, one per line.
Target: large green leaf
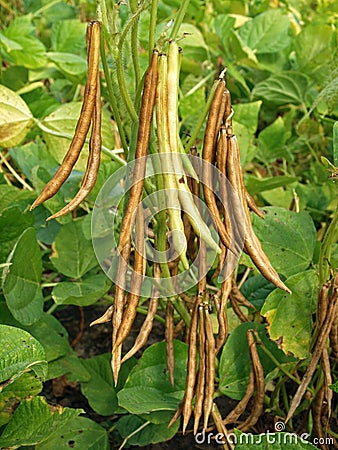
(63, 120)
(149, 383)
(12, 196)
(31, 53)
(282, 89)
(81, 293)
(20, 351)
(100, 390)
(290, 316)
(34, 421)
(70, 64)
(267, 32)
(73, 254)
(247, 115)
(69, 36)
(287, 237)
(12, 224)
(21, 279)
(234, 368)
(272, 140)
(149, 433)
(80, 433)
(15, 118)
(47, 330)
(313, 49)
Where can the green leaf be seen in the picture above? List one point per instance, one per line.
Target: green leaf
(32, 51)
(313, 49)
(100, 390)
(47, 330)
(245, 126)
(271, 142)
(80, 433)
(26, 385)
(267, 32)
(143, 400)
(20, 281)
(19, 351)
(245, 141)
(30, 155)
(34, 421)
(223, 26)
(256, 185)
(287, 237)
(272, 441)
(234, 368)
(12, 224)
(11, 196)
(290, 316)
(149, 381)
(289, 87)
(15, 118)
(70, 64)
(69, 36)
(63, 120)
(247, 114)
(73, 254)
(81, 293)
(335, 144)
(149, 433)
(256, 289)
(70, 365)
(53, 336)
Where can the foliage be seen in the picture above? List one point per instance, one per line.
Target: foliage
(282, 74)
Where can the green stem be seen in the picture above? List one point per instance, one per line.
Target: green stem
(112, 99)
(119, 63)
(276, 362)
(161, 245)
(152, 27)
(144, 311)
(330, 238)
(134, 44)
(179, 18)
(52, 308)
(200, 122)
(102, 14)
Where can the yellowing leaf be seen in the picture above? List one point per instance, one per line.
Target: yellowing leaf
(15, 118)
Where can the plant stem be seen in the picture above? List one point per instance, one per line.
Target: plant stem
(14, 173)
(326, 249)
(145, 424)
(152, 27)
(179, 18)
(134, 44)
(119, 63)
(112, 99)
(200, 122)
